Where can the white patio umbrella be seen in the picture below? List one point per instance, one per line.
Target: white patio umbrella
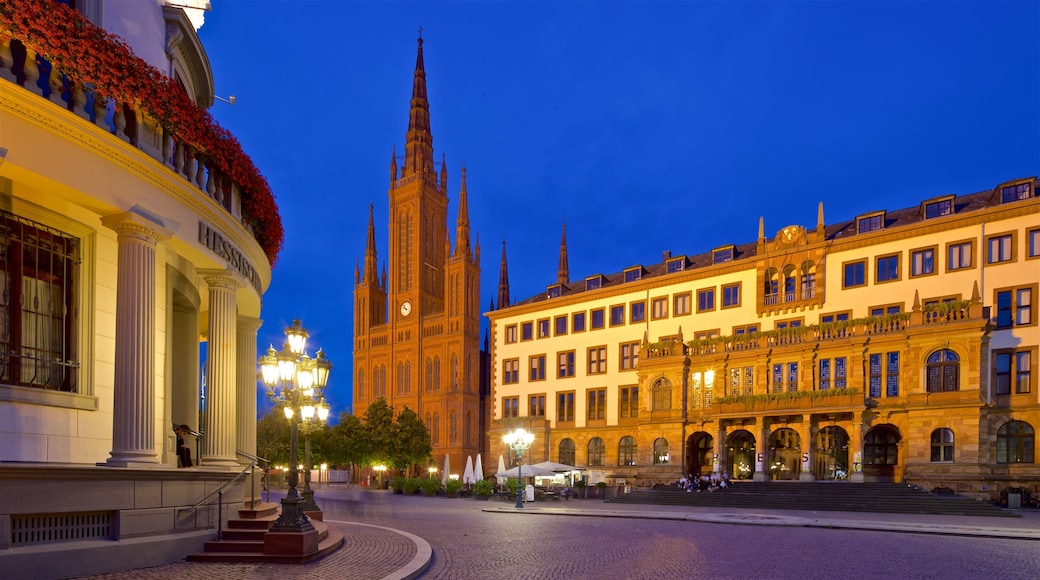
(552, 465)
(501, 468)
(467, 476)
(447, 469)
(526, 471)
(478, 470)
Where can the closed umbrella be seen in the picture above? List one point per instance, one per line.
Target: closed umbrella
(478, 470)
(501, 468)
(467, 476)
(447, 469)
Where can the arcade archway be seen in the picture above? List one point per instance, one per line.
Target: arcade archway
(740, 458)
(881, 453)
(785, 454)
(700, 450)
(831, 454)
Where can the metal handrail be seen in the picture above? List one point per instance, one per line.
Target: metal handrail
(220, 499)
(264, 464)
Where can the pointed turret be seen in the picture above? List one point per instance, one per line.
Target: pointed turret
(418, 155)
(462, 248)
(563, 272)
(357, 272)
(476, 250)
(503, 280)
(393, 165)
(444, 172)
(370, 249)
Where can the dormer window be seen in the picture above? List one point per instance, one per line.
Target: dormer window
(676, 264)
(633, 274)
(938, 207)
(723, 254)
(1011, 193)
(593, 282)
(554, 291)
(870, 223)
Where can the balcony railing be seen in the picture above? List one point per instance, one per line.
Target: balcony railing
(793, 401)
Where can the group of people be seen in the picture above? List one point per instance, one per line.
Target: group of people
(709, 482)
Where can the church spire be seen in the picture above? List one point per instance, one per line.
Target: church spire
(462, 224)
(370, 250)
(418, 156)
(563, 273)
(503, 280)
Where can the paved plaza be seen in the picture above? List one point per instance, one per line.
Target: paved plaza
(395, 536)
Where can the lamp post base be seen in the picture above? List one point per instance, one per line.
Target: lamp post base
(292, 518)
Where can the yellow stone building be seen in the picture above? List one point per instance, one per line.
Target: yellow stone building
(897, 346)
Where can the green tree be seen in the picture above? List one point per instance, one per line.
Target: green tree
(347, 442)
(272, 437)
(381, 431)
(412, 444)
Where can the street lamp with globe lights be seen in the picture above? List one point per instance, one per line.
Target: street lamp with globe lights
(291, 378)
(314, 418)
(519, 440)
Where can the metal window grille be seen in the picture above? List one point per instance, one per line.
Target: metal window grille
(51, 528)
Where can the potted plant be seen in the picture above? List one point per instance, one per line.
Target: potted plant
(601, 490)
(430, 487)
(397, 484)
(581, 491)
(482, 489)
(452, 488)
(412, 485)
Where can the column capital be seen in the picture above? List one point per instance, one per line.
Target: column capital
(221, 278)
(135, 225)
(247, 324)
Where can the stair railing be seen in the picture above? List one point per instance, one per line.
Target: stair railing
(219, 492)
(265, 465)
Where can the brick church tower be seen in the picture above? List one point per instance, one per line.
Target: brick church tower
(417, 325)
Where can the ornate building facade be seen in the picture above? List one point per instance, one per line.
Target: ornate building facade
(417, 325)
(128, 236)
(897, 346)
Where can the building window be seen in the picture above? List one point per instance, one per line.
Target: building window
(746, 329)
(593, 283)
(578, 322)
(561, 325)
(537, 367)
(676, 265)
(832, 373)
(629, 355)
(884, 370)
(511, 334)
(855, 274)
(511, 371)
(887, 269)
(722, 255)
(510, 407)
(637, 312)
(1001, 248)
(1015, 442)
(881, 447)
(597, 404)
(565, 407)
(633, 275)
(526, 331)
(662, 395)
(596, 452)
(567, 452)
(706, 300)
(543, 328)
(598, 318)
(1033, 241)
(836, 317)
(1014, 192)
(617, 315)
(565, 362)
(958, 255)
(886, 310)
(792, 323)
(39, 273)
(731, 295)
(922, 262)
(661, 456)
(1013, 367)
(1014, 306)
(536, 406)
(597, 357)
(938, 208)
(681, 304)
(869, 223)
(629, 402)
(627, 451)
(942, 445)
(659, 308)
(554, 292)
(943, 371)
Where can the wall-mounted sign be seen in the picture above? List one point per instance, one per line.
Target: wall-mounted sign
(212, 239)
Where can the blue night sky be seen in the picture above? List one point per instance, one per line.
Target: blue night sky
(646, 126)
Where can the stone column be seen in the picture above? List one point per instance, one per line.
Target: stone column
(221, 369)
(762, 451)
(855, 466)
(133, 412)
(805, 431)
(246, 384)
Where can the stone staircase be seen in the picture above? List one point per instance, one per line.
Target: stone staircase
(820, 496)
(243, 540)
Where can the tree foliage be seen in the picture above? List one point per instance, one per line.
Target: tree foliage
(272, 437)
(412, 444)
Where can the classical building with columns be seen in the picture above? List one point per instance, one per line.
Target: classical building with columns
(899, 345)
(132, 231)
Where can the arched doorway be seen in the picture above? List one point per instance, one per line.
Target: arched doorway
(700, 449)
(741, 457)
(881, 453)
(785, 454)
(831, 454)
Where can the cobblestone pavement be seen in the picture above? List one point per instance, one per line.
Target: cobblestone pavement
(475, 539)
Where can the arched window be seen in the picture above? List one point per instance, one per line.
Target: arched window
(1015, 442)
(361, 384)
(943, 371)
(808, 272)
(467, 378)
(400, 378)
(661, 393)
(596, 451)
(467, 428)
(790, 283)
(772, 287)
(567, 451)
(942, 445)
(453, 428)
(661, 451)
(408, 377)
(436, 429)
(454, 373)
(881, 446)
(627, 451)
(429, 375)
(436, 373)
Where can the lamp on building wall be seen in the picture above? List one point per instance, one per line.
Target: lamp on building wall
(519, 440)
(231, 100)
(292, 378)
